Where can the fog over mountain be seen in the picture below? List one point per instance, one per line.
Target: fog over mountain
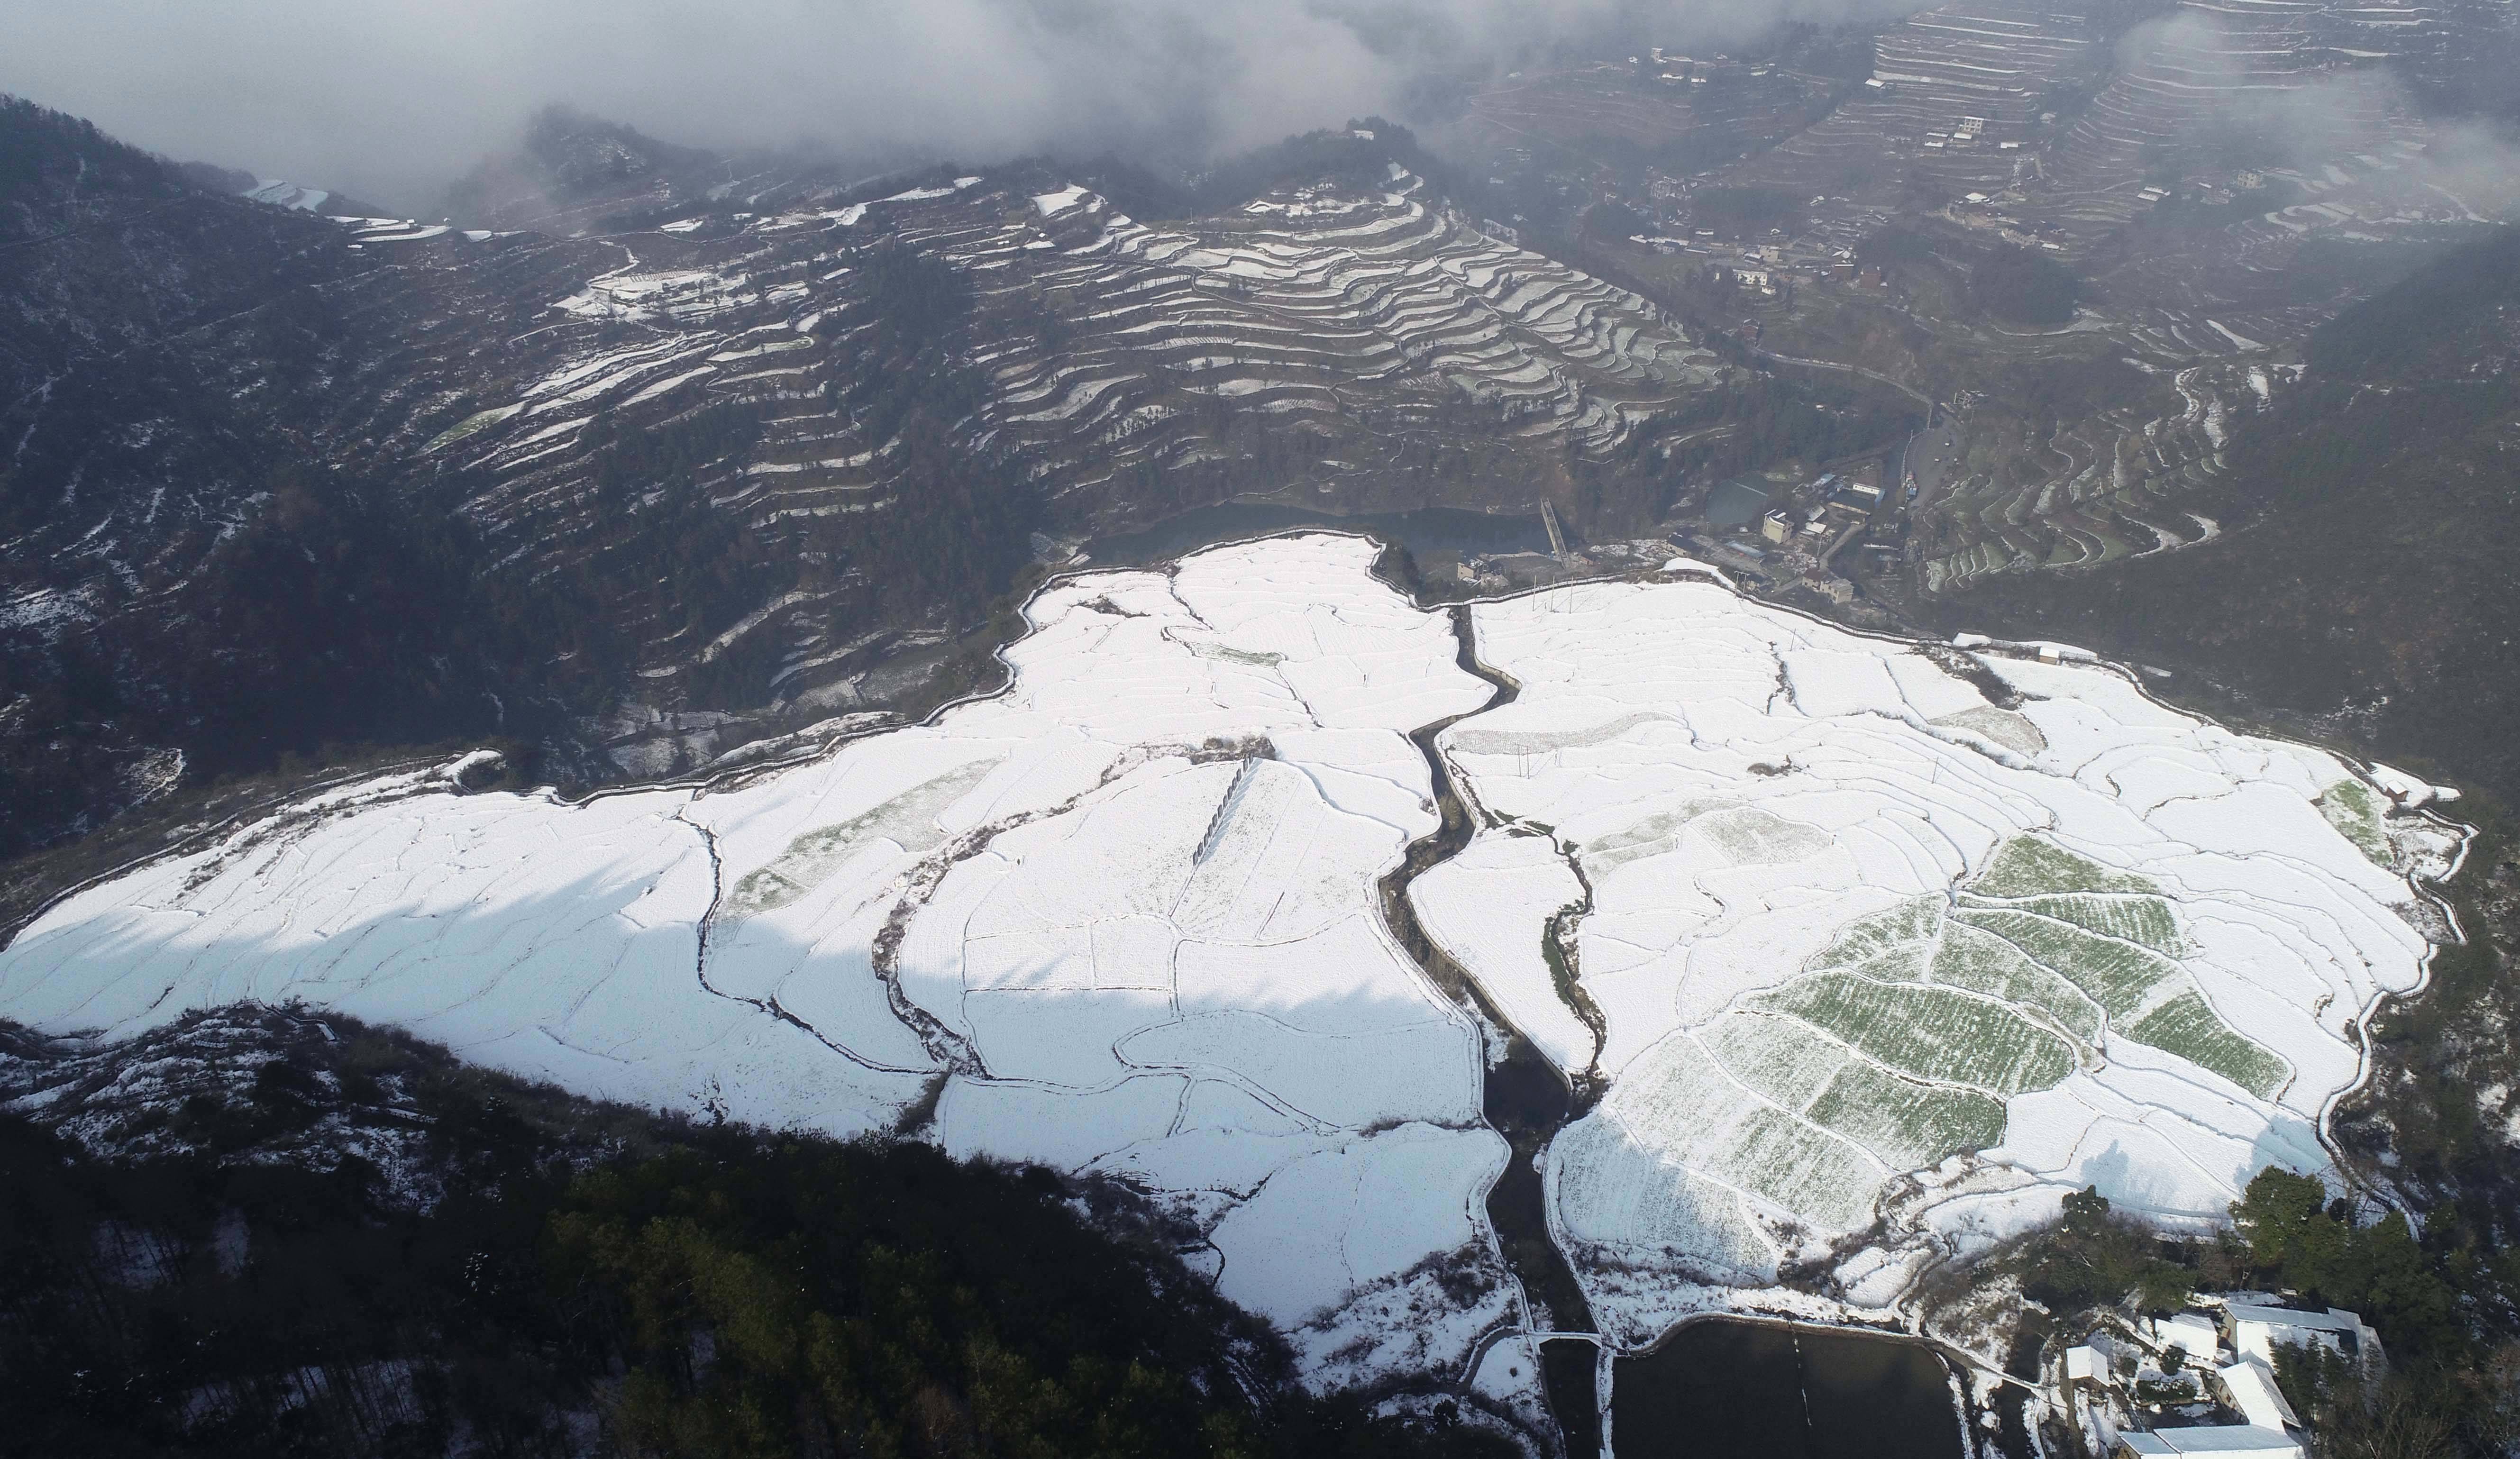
(389, 100)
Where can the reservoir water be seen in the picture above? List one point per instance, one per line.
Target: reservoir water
(1427, 529)
(1733, 503)
(1725, 1386)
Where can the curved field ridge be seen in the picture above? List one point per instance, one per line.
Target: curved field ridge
(1859, 946)
(1862, 958)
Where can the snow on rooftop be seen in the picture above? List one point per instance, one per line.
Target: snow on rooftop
(1054, 203)
(2233, 1439)
(2332, 1321)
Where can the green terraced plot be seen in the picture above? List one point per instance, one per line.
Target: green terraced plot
(1783, 1058)
(1910, 1126)
(1799, 1167)
(2137, 919)
(1930, 1033)
(1904, 963)
(1754, 837)
(2030, 867)
(2118, 976)
(2186, 1026)
(1986, 963)
(2355, 812)
(1865, 938)
(908, 820)
(1227, 653)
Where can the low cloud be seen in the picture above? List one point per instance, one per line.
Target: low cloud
(2277, 99)
(394, 98)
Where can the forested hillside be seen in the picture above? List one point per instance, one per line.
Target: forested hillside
(191, 583)
(266, 1233)
(728, 451)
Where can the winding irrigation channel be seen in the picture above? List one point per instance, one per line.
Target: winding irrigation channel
(1524, 1096)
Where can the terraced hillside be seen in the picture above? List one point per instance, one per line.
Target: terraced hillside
(2100, 489)
(1110, 367)
(1951, 87)
(2215, 183)
(737, 441)
(1673, 109)
(2193, 78)
(2364, 535)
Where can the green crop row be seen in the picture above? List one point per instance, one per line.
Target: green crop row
(1929, 1032)
(1910, 1126)
(2188, 1026)
(2031, 866)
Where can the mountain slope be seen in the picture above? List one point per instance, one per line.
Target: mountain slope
(754, 452)
(2370, 518)
(266, 1232)
(189, 568)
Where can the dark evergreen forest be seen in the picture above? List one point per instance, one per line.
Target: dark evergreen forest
(544, 1275)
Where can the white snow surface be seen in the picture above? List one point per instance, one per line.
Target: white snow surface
(1487, 908)
(1138, 928)
(1126, 912)
(1780, 821)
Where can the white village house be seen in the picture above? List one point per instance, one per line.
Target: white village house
(2258, 1331)
(2228, 1356)
(2220, 1439)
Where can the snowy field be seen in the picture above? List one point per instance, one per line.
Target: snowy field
(1859, 932)
(1124, 914)
(1859, 940)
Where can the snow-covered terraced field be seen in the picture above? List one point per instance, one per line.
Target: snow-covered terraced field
(2113, 494)
(1121, 917)
(1858, 939)
(1303, 299)
(1869, 943)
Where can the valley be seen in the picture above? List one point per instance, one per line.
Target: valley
(1865, 970)
(1843, 674)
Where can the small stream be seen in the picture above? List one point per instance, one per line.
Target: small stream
(1526, 1098)
(1718, 1385)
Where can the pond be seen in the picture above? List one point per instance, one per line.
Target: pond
(1727, 1387)
(1427, 529)
(1733, 503)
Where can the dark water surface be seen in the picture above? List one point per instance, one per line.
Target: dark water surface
(1730, 1387)
(1429, 529)
(1567, 1367)
(1733, 503)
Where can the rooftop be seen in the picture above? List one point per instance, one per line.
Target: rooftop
(2334, 1319)
(2226, 1438)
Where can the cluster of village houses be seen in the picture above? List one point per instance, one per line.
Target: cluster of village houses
(2204, 1381)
